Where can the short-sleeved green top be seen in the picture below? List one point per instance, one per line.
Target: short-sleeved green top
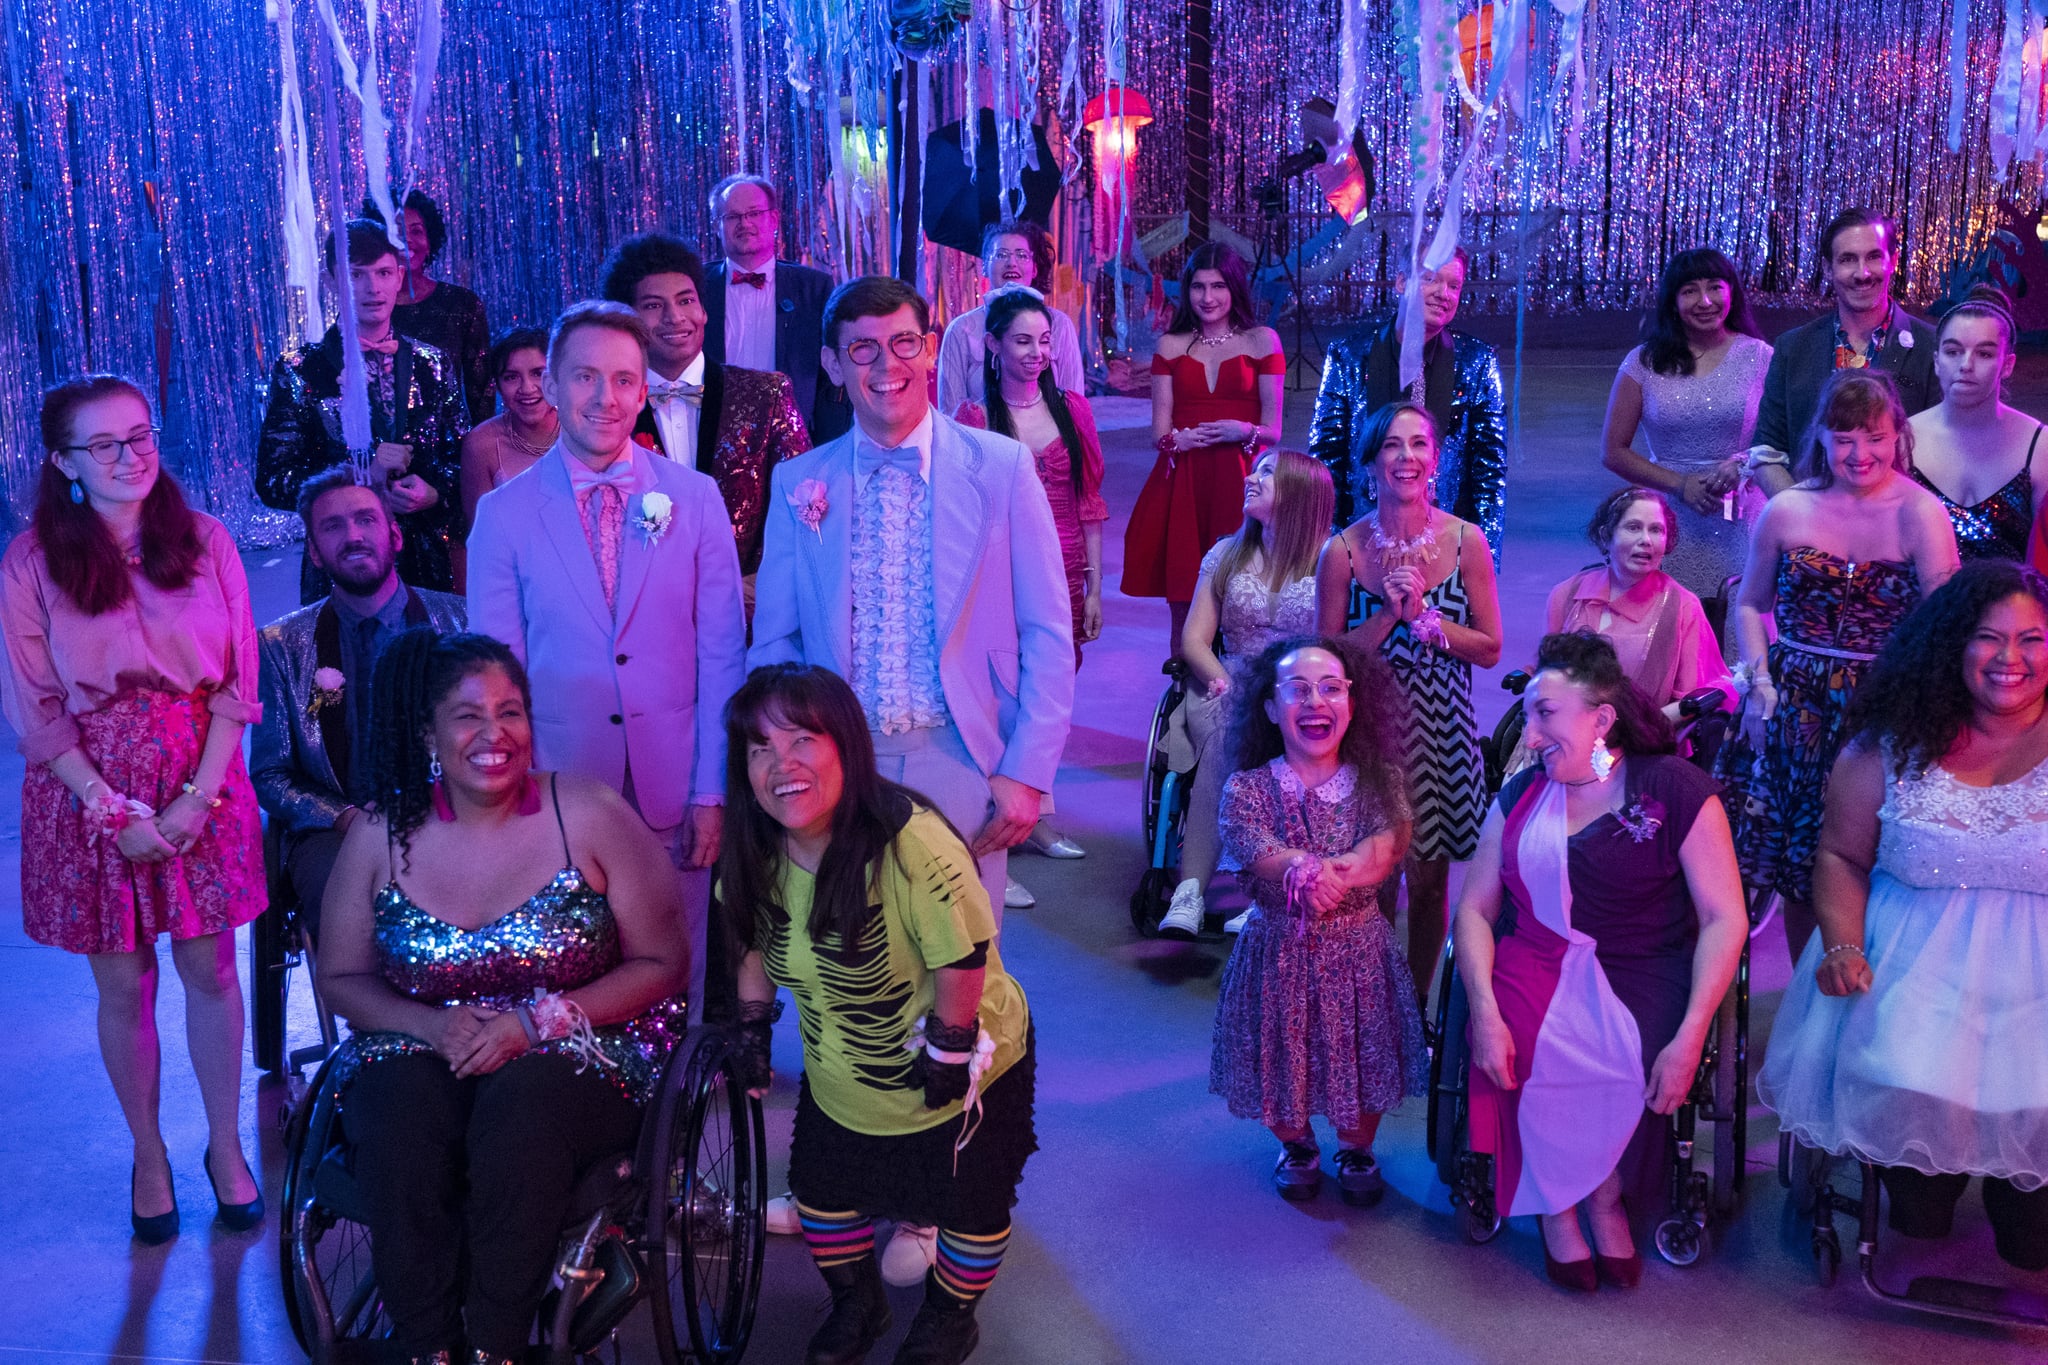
(857, 1012)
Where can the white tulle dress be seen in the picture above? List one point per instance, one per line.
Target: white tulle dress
(1943, 1065)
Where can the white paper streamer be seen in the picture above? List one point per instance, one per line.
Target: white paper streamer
(1958, 70)
(1436, 51)
(1350, 83)
(1571, 73)
(300, 225)
(355, 380)
(2028, 146)
(2005, 90)
(376, 129)
(736, 25)
(426, 62)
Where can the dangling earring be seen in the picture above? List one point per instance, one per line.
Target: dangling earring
(77, 493)
(437, 793)
(1602, 759)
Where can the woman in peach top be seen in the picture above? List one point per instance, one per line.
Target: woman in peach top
(1658, 628)
(131, 673)
(512, 442)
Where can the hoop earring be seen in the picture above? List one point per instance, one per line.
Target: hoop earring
(77, 493)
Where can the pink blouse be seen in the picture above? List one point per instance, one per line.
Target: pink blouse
(1658, 628)
(62, 663)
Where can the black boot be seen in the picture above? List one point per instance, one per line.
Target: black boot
(860, 1314)
(942, 1333)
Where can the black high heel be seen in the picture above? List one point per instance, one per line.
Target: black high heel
(156, 1229)
(233, 1217)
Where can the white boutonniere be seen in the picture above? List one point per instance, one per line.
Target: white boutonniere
(327, 686)
(807, 499)
(1905, 338)
(657, 510)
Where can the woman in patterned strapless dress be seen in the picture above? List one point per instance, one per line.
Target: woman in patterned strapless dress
(1215, 401)
(1838, 560)
(1971, 442)
(1257, 587)
(503, 1051)
(1911, 1033)
(1430, 609)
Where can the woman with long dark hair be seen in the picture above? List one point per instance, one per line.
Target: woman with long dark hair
(131, 674)
(1316, 1014)
(1215, 403)
(1600, 924)
(1910, 1035)
(506, 1037)
(1691, 391)
(916, 1097)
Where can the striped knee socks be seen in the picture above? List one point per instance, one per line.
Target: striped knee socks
(836, 1238)
(967, 1265)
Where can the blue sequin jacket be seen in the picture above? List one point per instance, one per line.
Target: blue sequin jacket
(1473, 470)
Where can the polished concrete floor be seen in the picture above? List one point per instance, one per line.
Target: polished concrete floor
(1148, 1230)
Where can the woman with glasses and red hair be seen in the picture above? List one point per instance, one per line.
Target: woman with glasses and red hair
(131, 673)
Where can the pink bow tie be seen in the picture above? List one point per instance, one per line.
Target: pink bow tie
(388, 346)
(618, 474)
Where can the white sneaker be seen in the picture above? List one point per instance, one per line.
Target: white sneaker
(1017, 896)
(782, 1219)
(1183, 917)
(909, 1255)
(1235, 924)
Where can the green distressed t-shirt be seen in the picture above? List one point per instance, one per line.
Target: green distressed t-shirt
(856, 1014)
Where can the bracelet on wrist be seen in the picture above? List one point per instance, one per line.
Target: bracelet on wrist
(1855, 948)
(212, 802)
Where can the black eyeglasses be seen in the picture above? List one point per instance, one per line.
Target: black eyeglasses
(109, 452)
(904, 346)
(741, 219)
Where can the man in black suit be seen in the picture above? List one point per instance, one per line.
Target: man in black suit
(765, 314)
(1860, 251)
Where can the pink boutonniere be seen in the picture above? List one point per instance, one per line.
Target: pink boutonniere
(1642, 820)
(807, 500)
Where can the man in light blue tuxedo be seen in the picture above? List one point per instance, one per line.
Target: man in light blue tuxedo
(613, 575)
(918, 559)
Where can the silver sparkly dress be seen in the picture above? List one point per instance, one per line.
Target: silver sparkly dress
(1694, 422)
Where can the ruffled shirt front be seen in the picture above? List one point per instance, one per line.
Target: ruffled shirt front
(895, 631)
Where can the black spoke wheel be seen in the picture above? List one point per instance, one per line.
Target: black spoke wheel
(706, 1160)
(324, 1254)
(269, 980)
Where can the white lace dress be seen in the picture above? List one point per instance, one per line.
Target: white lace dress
(1943, 1065)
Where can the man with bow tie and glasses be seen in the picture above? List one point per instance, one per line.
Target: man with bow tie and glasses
(763, 313)
(612, 574)
(417, 420)
(732, 423)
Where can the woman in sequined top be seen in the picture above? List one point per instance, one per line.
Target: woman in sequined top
(1691, 393)
(506, 1036)
(1911, 1033)
(1971, 450)
(1257, 587)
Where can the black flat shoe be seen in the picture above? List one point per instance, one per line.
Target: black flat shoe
(157, 1229)
(233, 1217)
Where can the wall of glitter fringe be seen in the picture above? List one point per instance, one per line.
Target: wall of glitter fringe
(139, 166)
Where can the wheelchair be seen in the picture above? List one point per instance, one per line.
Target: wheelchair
(1808, 1175)
(279, 942)
(1163, 806)
(1719, 1095)
(680, 1222)
(1703, 722)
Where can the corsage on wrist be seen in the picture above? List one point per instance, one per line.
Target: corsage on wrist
(550, 1016)
(108, 814)
(1428, 627)
(952, 1060)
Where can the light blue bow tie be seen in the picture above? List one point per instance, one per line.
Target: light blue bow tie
(660, 391)
(867, 460)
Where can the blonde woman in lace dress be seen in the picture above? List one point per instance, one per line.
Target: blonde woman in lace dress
(1257, 587)
(1911, 1033)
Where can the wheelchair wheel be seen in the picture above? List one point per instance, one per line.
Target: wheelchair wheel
(324, 1252)
(1478, 1225)
(269, 982)
(1155, 763)
(1731, 1093)
(1496, 750)
(705, 1153)
(1445, 1130)
(1150, 900)
(1680, 1240)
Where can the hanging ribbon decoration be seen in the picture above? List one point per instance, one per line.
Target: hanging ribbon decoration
(2005, 91)
(355, 380)
(426, 61)
(376, 129)
(1433, 46)
(736, 29)
(1073, 100)
(2028, 143)
(301, 226)
(1571, 73)
(1958, 70)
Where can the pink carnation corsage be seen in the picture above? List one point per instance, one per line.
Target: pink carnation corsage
(552, 1016)
(807, 500)
(1428, 627)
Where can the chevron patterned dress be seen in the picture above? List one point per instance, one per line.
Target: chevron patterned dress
(1446, 783)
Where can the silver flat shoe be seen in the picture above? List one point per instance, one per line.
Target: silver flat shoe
(1057, 846)
(1017, 896)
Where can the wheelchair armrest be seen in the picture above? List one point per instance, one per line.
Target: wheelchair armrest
(1702, 701)
(1517, 681)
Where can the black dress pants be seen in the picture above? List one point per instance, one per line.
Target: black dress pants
(1925, 1206)
(474, 1172)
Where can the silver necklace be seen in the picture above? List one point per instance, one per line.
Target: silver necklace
(524, 444)
(1204, 339)
(1014, 406)
(1422, 546)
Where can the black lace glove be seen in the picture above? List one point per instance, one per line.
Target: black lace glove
(946, 1082)
(752, 1037)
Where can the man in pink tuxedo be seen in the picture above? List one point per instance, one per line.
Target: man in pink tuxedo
(613, 576)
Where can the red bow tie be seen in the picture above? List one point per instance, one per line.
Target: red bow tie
(757, 278)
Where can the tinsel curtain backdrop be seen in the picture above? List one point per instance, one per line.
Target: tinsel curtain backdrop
(140, 224)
